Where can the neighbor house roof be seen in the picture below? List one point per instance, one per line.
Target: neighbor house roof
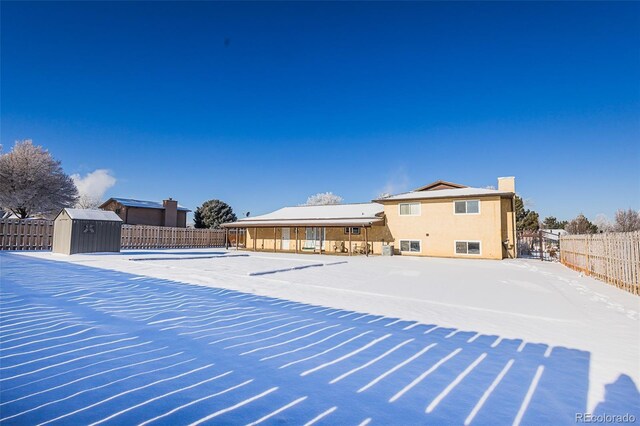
(444, 193)
(362, 214)
(92, 214)
(129, 202)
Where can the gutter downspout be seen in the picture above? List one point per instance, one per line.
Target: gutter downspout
(513, 219)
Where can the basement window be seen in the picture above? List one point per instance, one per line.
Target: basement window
(411, 246)
(468, 247)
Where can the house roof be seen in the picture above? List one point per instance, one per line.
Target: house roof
(445, 193)
(361, 214)
(129, 202)
(92, 214)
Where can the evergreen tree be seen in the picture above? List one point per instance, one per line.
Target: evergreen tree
(521, 213)
(526, 219)
(531, 221)
(551, 222)
(212, 214)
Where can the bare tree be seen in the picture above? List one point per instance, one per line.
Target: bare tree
(323, 198)
(581, 225)
(603, 223)
(627, 220)
(86, 201)
(33, 182)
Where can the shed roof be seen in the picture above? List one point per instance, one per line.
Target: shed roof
(92, 214)
(445, 193)
(130, 202)
(361, 214)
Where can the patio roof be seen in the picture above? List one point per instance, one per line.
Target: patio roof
(362, 214)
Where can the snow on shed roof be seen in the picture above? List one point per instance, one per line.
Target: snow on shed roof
(129, 202)
(93, 214)
(444, 193)
(332, 214)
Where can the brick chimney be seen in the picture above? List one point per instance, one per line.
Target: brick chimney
(507, 184)
(170, 212)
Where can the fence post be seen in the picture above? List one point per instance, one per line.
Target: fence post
(541, 245)
(586, 253)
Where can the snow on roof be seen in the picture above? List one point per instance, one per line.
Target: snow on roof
(444, 193)
(93, 214)
(333, 214)
(129, 202)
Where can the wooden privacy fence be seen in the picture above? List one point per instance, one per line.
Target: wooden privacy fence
(26, 234)
(611, 257)
(137, 237)
(37, 234)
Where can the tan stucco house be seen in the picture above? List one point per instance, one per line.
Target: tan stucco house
(151, 213)
(442, 219)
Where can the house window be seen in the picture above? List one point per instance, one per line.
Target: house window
(466, 207)
(354, 231)
(409, 209)
(467, 247)
(118, 210)
(410, 246)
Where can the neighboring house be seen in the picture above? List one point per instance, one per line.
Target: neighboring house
(152, 213)
(553, 234)
(441, 219)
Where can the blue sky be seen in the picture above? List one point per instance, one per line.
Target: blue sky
(263, 104)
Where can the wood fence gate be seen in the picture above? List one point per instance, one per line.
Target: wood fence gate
(538, 245)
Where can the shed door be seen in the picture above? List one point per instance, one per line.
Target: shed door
(286, 237)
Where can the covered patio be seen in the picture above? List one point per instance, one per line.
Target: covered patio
(345, 229)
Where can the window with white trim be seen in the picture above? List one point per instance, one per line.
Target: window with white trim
(412, 246)
(466, 207)
(354, 231)
(467, 247)
(409, 209)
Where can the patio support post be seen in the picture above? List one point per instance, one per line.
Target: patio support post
(255, 239)
(274, 239)
(366, 241)
(237, 237)
(226, 238)
(296, 239)
(349, 241)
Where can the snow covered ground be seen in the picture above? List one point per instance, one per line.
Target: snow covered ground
(527, 300)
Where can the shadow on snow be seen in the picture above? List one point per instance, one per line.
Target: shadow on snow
(84, 345)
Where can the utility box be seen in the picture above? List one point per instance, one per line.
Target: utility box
(86, 231)
(387, 250)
